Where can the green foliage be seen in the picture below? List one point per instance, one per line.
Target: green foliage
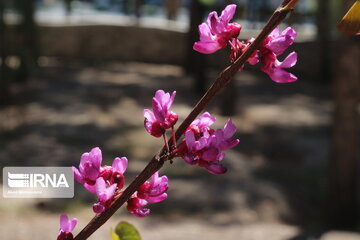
(125, 231)
(113, 235)
(207, 2)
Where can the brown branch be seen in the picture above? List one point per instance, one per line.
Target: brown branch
(158, 160)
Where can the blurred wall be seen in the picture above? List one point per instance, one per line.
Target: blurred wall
(131, 43)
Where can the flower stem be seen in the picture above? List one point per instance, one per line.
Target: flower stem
(166, 143)
(158, 160)
(173, 137)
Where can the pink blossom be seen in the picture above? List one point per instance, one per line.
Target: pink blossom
(105, 195)
(89, 167)
(136, 207)
(152, 191)
(160, 119)
(274, 45)
(202, 123)
(278, 43)
(90, 170)
(66, 227)
(104, 181)
(217, 31)
(114, 174)
(205, 148)
(274, 68)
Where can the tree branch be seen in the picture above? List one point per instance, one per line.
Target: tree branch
(158, 160)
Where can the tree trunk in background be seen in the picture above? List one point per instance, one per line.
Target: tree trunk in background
(172, 9)
(138, 6)
(195, 62)
(323, 38)
(29, 52)
(3, 69)
(228, 99)
(345, 141)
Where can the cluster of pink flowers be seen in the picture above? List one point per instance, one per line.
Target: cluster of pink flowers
(106, 181)
(152, 191)
(66, 227)
(217, 32)
(201, 146)
(204, 146)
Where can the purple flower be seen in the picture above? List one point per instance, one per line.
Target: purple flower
(136, 207)
(205, 148)
(113, 174)
(66, 227)
(160, 119)
(278, 43)
(104, 181)
(105, 195)
(152, 191)
(202, 123)
(89, 167)
(217, 31)
(274, 68)
(274, 45)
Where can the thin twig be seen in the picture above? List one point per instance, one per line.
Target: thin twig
(158, 160)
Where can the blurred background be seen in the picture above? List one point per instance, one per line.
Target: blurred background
(76, 74)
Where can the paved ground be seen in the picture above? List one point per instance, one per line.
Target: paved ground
(274, 189)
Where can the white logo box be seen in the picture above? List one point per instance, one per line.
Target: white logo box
(38, 182)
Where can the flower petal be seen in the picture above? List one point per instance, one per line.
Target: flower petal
(73, 224)
(158, 110)
(96, 157)
(210, 154)
(228, 13)
(64, 223)
(120, 164)
(289, 31)
(141, 212)
(149, 115)
(90, 188)
(215, 168)
(207, 47)
(157, 199)
(77, 175)
(190, 139)
(280, 76)
(288, 62)
(229, 129)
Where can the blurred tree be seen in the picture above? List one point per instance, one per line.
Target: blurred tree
(138, 5)
(345, 136)
(195, 62)
(172, 8)
(27, 30)
(324, 39)
(68, 8)
(3, 68)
